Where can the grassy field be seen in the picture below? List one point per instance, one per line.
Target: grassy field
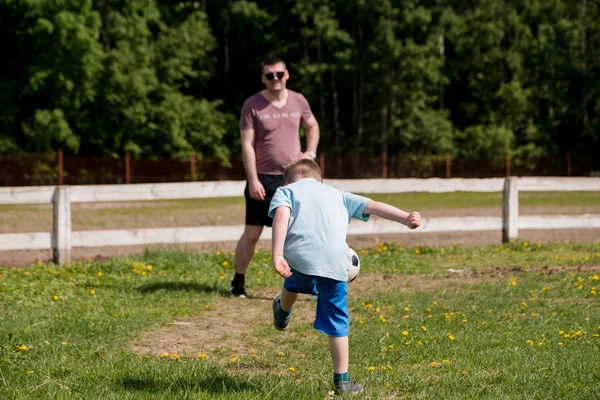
(230, 210)
(520, 321)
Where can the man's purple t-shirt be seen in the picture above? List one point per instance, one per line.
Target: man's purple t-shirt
(276, 136)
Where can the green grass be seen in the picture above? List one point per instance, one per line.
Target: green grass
(404, 200)
(521, 322)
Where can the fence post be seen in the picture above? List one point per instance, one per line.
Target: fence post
(193, 166)
(127, 169)
(60, 168)
(322, 164)
(61, 232)
(507, 165)
(448, 165)
(510, 209)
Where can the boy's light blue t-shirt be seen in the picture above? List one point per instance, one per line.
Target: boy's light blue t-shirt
(316, 238)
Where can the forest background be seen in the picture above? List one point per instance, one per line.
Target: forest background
(156, 78)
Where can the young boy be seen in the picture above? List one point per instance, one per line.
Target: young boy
(309, 243)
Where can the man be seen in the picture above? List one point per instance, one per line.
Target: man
(269, 129)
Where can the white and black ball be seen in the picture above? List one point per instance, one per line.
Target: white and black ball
(354, 265)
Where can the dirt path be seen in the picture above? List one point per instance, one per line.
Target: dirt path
(225, 328)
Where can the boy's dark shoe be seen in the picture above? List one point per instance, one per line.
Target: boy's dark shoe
(281, 324)
(348, 387)
(237, 289)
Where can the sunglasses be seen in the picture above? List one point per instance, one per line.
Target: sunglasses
(271, 75)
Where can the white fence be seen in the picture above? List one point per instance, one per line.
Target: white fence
(62, 239)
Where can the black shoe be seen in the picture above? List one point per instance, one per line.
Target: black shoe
(348, 387)
(237, 289)
(281, 324)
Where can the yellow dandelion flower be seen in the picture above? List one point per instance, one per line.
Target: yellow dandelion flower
(446, 361)
(92, 291)
(419, 343)
(417, 251)
(149, 267)
(63, 343)
(371, 368)
(407, 309)
(30, 372)
(55, 298)
(206, 307)
(175, 356)
(463, 373)
(202, 356)
(292, 369)
(405, 333)
(99, 273)
(22, 347)
(165, 354)
(281, 353)
(40, 263)
(451, 337)
(434, 364)
(529, 342)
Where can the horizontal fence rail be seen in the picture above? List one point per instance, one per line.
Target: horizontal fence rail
(63, 239)
(69, 169)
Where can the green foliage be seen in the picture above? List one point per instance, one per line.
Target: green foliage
(478, 79)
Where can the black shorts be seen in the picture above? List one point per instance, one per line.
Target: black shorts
(257, 211)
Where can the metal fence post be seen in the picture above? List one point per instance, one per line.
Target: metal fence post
(127, 168)
(60, 168)
(510, 209)
(61, 233)
(193, 166)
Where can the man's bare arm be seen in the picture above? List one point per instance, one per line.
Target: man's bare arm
(257, 191)
(312, 134)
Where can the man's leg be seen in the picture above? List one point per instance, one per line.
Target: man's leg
(243, 254)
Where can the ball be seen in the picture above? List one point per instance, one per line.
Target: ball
(354, 265)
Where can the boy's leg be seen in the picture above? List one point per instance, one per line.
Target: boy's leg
(333, 320)
(282, 309)
(338, 347)
(287, 300)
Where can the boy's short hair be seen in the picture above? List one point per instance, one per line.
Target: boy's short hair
(302, 168)
(271, 61)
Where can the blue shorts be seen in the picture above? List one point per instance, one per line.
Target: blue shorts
(332, 306)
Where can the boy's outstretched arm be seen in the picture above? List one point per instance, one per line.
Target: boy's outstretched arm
(383, 210)
(280, 226)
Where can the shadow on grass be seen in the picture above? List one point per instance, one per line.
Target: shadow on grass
(176, 287)
(214, 384)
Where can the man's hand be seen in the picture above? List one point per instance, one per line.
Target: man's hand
(307, 155)
(413, 220)
(281, 267)
(257, 190)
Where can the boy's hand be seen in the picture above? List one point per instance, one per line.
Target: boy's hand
(282, 267)
(413, 220)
